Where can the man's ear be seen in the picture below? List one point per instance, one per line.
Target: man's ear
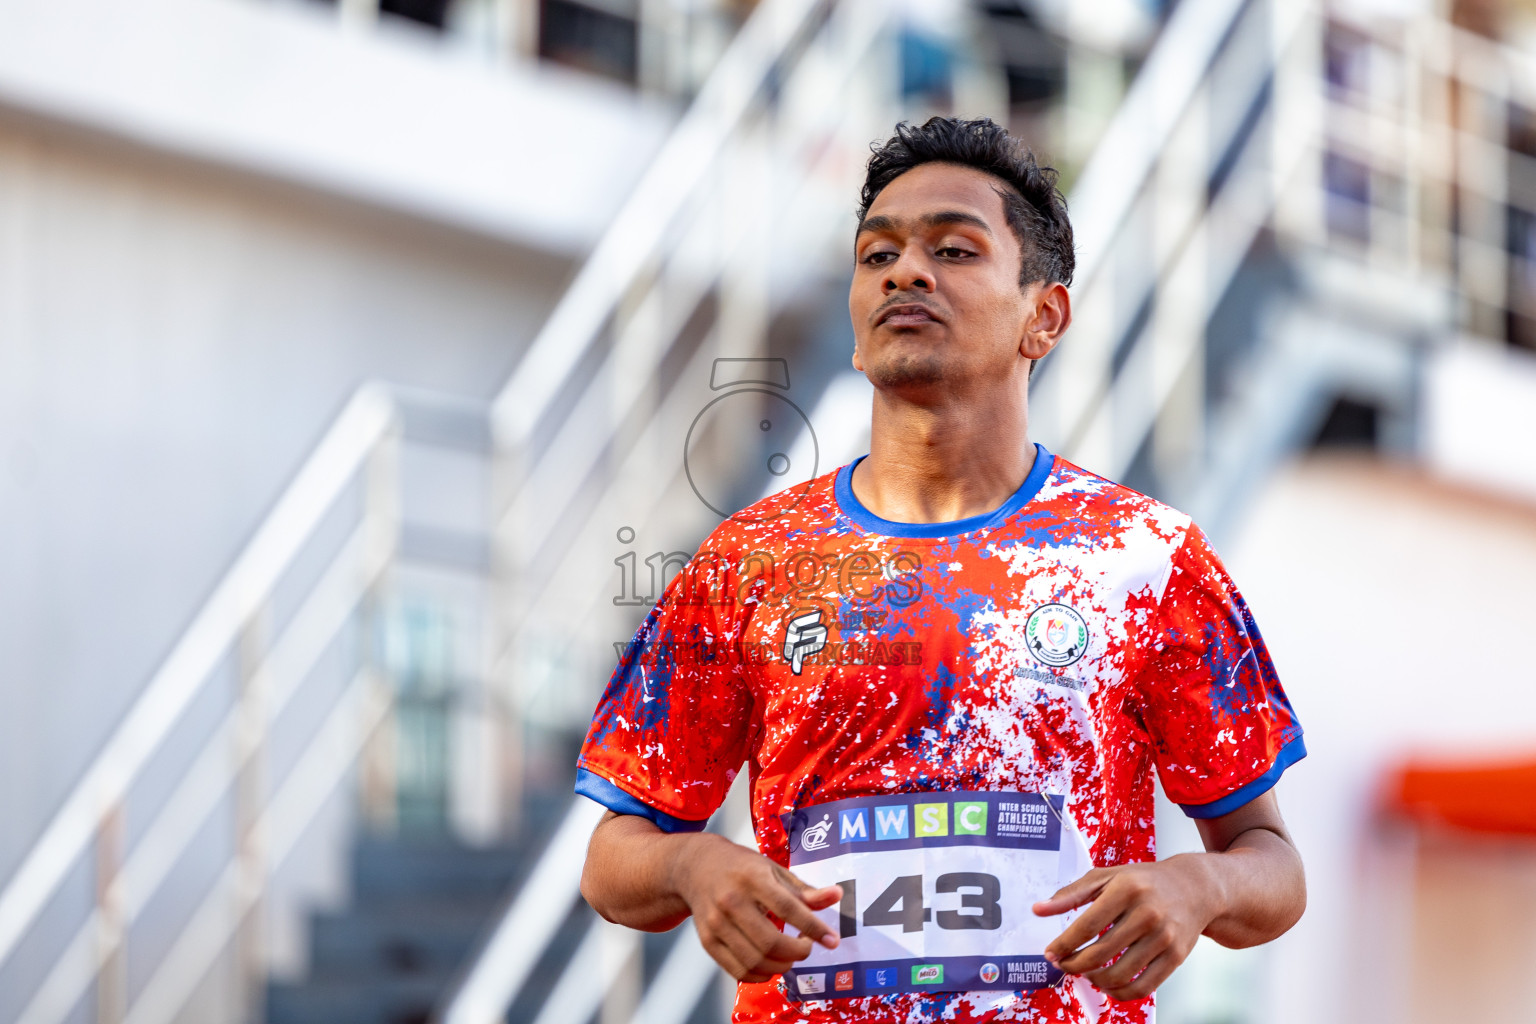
(1051, 316)
(857, 363)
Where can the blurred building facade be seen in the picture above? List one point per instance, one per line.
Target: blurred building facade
(280, 647)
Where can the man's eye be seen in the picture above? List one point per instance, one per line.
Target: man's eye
(952, 252)
(877, 258)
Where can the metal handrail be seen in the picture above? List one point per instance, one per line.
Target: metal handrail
(633, 244)
(1137, 133)
(528, 924)
(1105, 392)
(239, 596)
(1077, 380)
(858, 26)
(630, 242)
(1196, 270)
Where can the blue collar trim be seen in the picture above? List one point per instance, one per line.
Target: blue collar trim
(872, 523)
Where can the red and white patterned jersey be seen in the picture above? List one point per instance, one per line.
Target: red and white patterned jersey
(1066, 643)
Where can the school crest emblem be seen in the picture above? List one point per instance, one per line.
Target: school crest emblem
(1056, 634)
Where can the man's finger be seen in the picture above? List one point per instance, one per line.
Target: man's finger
(821, 899)
(795, 904)
(1075, 894)
(1155, 974)
(742, 948)
(797, 915)
(1130, 927)
(723, 955)
(1100, 914)
(1131, 963)
(1091, 958)
(747, 949)
(771, 943)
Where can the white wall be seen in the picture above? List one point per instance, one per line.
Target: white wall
(1480, 416)
(172, 342)
(1398, 609)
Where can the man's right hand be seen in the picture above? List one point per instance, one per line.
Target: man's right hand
(639, 876)
(731, 890)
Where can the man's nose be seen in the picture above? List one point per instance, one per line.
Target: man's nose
(908, 273)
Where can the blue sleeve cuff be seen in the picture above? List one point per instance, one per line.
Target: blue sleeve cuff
(596, 788)
(1289, 754)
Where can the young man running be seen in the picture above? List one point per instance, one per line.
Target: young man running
(950, 669)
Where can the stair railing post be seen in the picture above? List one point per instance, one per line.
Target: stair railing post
(1175, 387)
(507, 666)
(382, 501)
(250, 793)
(112, 974)
(1299, 102)
(621, 951)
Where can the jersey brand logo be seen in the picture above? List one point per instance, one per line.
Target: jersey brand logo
(804, 636)
(815, 837)
(1057, 634)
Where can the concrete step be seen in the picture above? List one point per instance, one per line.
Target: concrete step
(383, 1000)
(421, 907)
(387, 868)
(407, 937)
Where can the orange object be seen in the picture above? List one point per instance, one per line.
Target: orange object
(1496, 797)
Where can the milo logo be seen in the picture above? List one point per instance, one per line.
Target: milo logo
(928, 974)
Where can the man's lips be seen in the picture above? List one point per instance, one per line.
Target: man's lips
(911, 314)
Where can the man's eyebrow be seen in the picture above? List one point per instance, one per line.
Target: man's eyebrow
(878, 223)
(943, 217)
(940, 218)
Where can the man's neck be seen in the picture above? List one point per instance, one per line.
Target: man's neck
(937, 464)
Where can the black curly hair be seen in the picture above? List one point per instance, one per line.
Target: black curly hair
(1035, 207)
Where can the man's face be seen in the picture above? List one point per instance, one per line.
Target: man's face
(936, 305)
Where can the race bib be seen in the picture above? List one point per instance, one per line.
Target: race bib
(937, 890)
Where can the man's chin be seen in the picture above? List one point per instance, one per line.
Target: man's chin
(907, 374)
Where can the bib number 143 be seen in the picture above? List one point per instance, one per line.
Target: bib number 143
(902, 904)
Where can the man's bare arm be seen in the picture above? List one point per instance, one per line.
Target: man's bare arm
(1247, 888)
(639, 876)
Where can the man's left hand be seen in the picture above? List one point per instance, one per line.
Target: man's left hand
(1154, 913)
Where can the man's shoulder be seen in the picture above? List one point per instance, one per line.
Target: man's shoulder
(1080, 508)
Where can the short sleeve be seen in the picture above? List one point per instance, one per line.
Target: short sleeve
(672, 728)
(1221, 726)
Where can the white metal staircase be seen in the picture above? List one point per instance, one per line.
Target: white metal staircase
(272, 702)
